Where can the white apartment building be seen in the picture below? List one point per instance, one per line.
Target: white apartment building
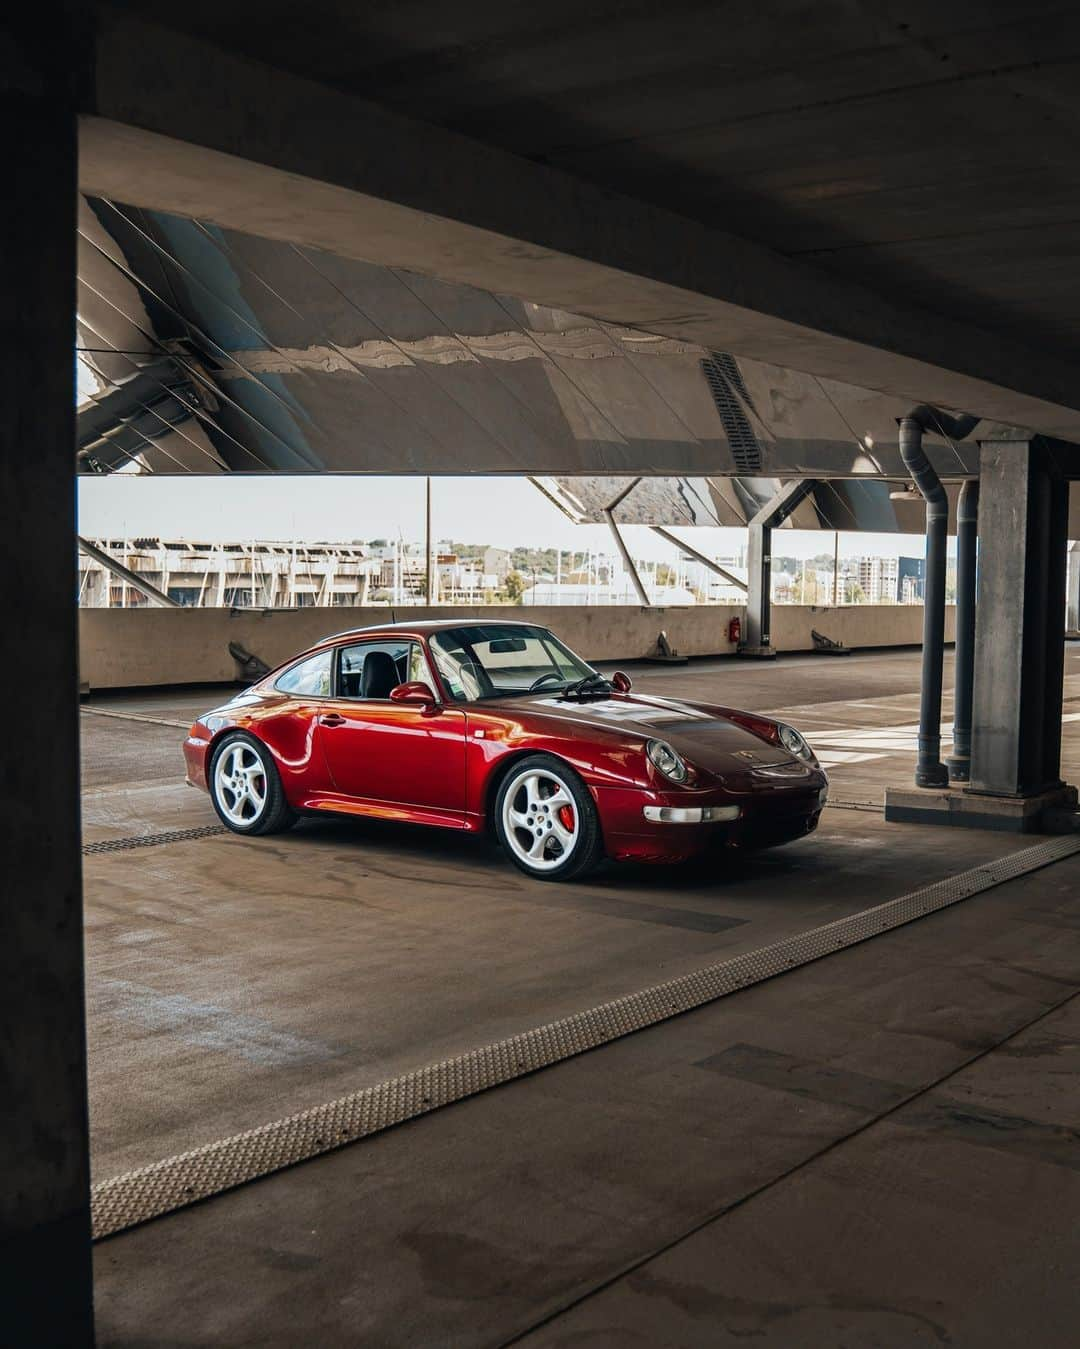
(878, 578)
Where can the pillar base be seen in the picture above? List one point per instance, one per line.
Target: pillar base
(757, 652)
(959, 768)
(1044, 813)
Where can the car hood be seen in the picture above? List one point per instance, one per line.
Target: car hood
(706, 738)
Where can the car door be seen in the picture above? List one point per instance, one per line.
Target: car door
(392, 753)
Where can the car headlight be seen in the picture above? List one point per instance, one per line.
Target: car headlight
(667, 760)
(796, 744)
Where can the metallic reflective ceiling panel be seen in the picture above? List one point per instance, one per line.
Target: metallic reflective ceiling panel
(215, 351)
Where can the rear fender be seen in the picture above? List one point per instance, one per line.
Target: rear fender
(293, 743)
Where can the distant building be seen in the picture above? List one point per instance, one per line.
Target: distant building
(911, 580)
(497, 563)
(877, 577)
(260, 574)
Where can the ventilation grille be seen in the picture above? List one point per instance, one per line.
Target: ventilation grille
(729, 367)
(727, 388)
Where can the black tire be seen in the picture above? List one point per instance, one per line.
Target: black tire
(275, 814)
(588, 848)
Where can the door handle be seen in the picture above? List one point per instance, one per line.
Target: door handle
(332, 719)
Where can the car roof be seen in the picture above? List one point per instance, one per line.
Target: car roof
(428, 625)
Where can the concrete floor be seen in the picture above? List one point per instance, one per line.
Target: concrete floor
(877, 1149)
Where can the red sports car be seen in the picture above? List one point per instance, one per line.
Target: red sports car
(474, 725)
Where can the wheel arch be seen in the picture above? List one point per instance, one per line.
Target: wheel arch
(218, 736)
(504, 766)
(497, 776)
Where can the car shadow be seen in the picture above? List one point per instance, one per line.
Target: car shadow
(713, 873)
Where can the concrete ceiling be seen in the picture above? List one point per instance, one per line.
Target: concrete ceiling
(928, 150)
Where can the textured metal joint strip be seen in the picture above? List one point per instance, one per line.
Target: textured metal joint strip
(107, 845)
(135, 716)
(175, 1182)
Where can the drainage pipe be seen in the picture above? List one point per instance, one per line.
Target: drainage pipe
(967, 529)
(929, 770)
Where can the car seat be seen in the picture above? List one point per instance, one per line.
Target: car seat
(380, 675)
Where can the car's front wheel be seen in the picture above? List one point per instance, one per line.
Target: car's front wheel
(547, 821)
(246, 789)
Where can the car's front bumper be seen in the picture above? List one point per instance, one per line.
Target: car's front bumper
(649, 826)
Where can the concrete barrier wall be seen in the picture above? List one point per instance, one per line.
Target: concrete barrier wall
(122, 648)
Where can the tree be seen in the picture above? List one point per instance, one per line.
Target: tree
(807, 590)
(514, 587)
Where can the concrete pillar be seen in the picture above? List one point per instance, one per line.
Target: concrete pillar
(1019, 652)
(1072, 598)
(967, 528)
(45, 1285)
(757, 637)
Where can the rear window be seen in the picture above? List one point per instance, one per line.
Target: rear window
(308, 678)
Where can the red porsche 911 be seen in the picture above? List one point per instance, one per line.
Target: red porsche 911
(477, 726)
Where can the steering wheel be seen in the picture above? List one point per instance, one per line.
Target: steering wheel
(544, 678)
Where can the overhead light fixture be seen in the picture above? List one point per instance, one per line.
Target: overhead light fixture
(868, 441)
(908, 493)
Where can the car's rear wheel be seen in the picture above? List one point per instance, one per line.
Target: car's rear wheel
(547, 821)
(246, 789)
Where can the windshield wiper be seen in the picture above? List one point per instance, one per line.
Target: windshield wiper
(593, 680)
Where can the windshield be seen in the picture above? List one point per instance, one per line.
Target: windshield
(496, 660)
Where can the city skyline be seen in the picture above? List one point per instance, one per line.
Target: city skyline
(503, 512)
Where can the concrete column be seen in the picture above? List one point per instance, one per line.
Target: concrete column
(45, 1285)
(1019, 652)
(757, 638)
(967, 522)
(1072, 599)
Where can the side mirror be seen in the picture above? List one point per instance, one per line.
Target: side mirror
(416, 694)
(622, 682)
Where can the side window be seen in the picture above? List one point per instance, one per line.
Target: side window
(418, 670)
(372, 669)
(309, 678)
(457, 671)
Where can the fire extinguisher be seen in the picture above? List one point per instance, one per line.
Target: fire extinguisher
(734, 630)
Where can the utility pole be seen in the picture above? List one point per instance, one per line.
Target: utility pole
(429, 592)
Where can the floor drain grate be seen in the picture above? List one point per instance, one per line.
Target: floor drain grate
(106, 845)
(176, 1182)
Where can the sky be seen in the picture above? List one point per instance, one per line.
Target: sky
(505, 512)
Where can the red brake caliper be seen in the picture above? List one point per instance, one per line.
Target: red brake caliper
(566, 818)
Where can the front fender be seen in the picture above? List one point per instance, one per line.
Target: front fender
(492, 746)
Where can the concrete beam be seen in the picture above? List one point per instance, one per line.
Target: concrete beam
(705, 561)
(170, 125)
(628, 561)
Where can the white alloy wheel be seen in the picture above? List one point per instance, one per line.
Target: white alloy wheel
(240, 783)
(541, 821)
